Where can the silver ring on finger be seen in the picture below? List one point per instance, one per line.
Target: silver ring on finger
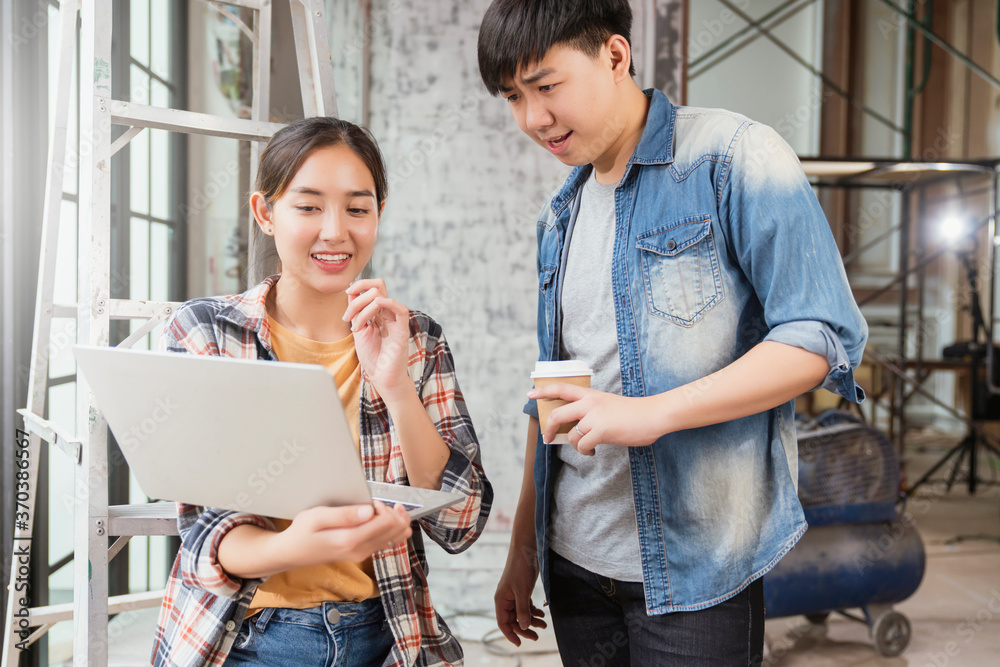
(577, 427)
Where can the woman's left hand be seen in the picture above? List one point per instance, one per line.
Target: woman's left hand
(381, 329)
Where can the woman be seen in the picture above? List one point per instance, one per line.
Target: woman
(334, 586)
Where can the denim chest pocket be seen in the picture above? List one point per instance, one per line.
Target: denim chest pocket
(680, 269)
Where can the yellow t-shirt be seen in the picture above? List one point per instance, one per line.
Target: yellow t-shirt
(339, 581)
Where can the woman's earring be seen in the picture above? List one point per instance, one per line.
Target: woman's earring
(269, 230)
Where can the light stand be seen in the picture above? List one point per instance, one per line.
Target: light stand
(975, 438)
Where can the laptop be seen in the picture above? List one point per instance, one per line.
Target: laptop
(254, 436)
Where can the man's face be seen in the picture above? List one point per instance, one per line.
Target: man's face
(568, 104)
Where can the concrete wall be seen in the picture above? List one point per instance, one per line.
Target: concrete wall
(458, 236)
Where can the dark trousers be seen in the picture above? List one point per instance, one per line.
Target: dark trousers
(601, 622)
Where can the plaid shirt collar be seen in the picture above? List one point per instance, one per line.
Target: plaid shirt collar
(250, 311)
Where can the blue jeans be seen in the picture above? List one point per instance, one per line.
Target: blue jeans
(601, 622)
(334, 634)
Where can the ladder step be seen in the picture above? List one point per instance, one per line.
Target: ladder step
(159, 518)
(129, 309)
(116, 605)
(190, 122)
(51, 433)
(248, 4)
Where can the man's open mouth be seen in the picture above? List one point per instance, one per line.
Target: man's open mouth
(555, 142)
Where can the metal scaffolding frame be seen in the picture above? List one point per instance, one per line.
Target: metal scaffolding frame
(905, 177)
(765, 25)
(911, 180)
(95, 309)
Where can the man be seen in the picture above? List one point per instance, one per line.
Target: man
(688, 262)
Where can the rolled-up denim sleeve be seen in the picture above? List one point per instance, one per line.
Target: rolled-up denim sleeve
(781, 239)
(819, 338)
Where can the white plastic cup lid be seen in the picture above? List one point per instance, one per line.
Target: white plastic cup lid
(561, 369)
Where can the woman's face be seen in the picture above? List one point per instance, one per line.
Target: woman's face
(326, 222)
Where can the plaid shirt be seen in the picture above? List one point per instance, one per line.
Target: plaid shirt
(203, 607)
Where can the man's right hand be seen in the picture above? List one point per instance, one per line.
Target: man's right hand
(516, 614)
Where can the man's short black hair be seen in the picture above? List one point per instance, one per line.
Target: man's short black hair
(517, 33)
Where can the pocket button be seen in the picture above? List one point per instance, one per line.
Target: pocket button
(230, 625)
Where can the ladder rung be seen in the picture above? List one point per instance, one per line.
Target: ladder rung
(190, 122)
(248, 4)
(116, 605)
(159, 518)
(127, 309)
(51, 433)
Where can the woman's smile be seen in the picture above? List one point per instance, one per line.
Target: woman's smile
(331, 262)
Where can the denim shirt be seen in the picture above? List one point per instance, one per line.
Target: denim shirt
(720, 244)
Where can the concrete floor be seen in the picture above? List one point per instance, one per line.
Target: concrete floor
(955, 614)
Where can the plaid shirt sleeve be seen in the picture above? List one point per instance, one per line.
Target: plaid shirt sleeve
(455, 528)
(201, 530)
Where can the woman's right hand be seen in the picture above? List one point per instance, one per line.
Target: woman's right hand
(352, 533)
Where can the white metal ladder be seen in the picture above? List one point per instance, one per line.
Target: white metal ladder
(94, 520)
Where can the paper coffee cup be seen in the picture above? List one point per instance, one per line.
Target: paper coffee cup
(559, 372)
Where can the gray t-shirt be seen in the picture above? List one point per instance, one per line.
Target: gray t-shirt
(593, 511)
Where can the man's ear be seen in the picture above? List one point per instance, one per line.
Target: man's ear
(621, 56)
(261, 212)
